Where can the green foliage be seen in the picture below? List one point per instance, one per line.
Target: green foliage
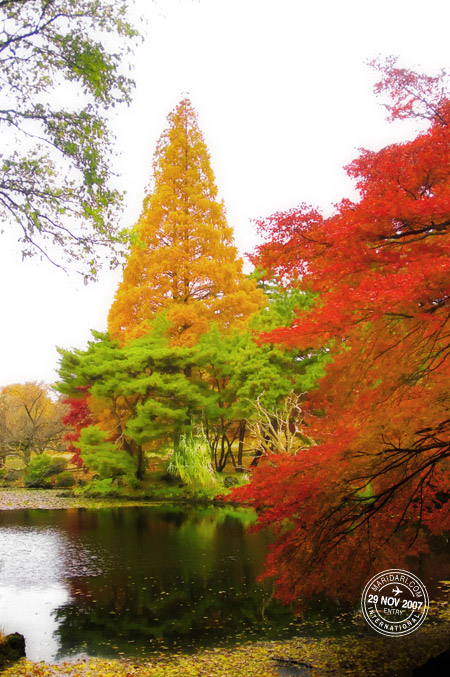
(283, 306)
(191, 460)
(241, 371)
(146, 383)
(101, 489)
(56, 169)
(103, 456)
(40, 469)
(155, 390)
(249, 370)
(65, 479)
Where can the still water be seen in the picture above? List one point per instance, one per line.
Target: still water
(133, 581)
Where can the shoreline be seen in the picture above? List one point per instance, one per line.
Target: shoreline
(58, 499)
(365, 654)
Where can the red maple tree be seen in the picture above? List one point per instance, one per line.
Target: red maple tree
(366, 496)
(78, 417)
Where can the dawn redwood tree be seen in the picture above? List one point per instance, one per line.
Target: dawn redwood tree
(60, 72)
(377, 479)
(182, 275)
(183, 260)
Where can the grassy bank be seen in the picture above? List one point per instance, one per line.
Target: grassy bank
(54, 499)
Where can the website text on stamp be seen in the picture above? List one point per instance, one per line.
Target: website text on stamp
(395, 602)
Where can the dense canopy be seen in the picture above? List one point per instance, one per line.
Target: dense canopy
(184, 260)
(377, 478)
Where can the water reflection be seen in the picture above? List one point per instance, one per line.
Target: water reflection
(131, 581)
(30, 611)
(31, 587)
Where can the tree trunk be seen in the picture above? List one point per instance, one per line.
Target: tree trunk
(260, 451)
(225, 451)
(26, 455)
(258, 455)
(139, 463)
(241, 442)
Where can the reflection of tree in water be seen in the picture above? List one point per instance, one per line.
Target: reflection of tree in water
(179, 578)
(149, 578)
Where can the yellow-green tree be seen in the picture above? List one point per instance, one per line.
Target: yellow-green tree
(30, 421)
(184, 260)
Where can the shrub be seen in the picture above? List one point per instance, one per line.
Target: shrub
(9, 476)
(40, 468)
(131, 481)
(103, 456)
(65, 479)
(101, 489)
(59, 465)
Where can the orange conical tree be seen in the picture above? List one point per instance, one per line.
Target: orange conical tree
(184, 259)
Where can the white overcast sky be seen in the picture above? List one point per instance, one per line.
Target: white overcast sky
(284, 98)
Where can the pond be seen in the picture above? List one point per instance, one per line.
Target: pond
(133, 581)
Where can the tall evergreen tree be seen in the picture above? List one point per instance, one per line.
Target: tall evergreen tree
(184, 260)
